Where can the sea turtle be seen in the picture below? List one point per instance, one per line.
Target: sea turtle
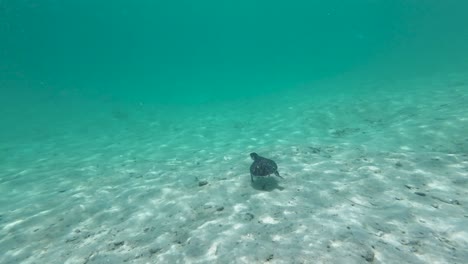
(262, 166)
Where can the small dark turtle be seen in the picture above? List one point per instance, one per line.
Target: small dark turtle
(262, 166)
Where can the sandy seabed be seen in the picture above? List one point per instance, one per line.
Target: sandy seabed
(375, 177)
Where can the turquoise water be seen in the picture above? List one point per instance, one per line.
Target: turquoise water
(187, 52)
(113, 112)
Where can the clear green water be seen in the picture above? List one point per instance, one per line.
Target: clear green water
(197, 51)
(113, 112)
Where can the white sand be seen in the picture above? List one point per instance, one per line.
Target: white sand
(379, 177)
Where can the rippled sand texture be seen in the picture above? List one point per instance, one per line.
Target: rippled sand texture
(378, 177)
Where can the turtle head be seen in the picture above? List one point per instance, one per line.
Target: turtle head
(254, 156)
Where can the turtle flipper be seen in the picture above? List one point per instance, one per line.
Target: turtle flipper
(277, 174)
(251, 177)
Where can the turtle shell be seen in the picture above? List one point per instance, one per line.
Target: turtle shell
(262, 166)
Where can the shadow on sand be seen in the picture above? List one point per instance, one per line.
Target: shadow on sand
(266, 184)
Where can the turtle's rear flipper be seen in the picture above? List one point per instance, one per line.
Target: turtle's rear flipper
(277, 174)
